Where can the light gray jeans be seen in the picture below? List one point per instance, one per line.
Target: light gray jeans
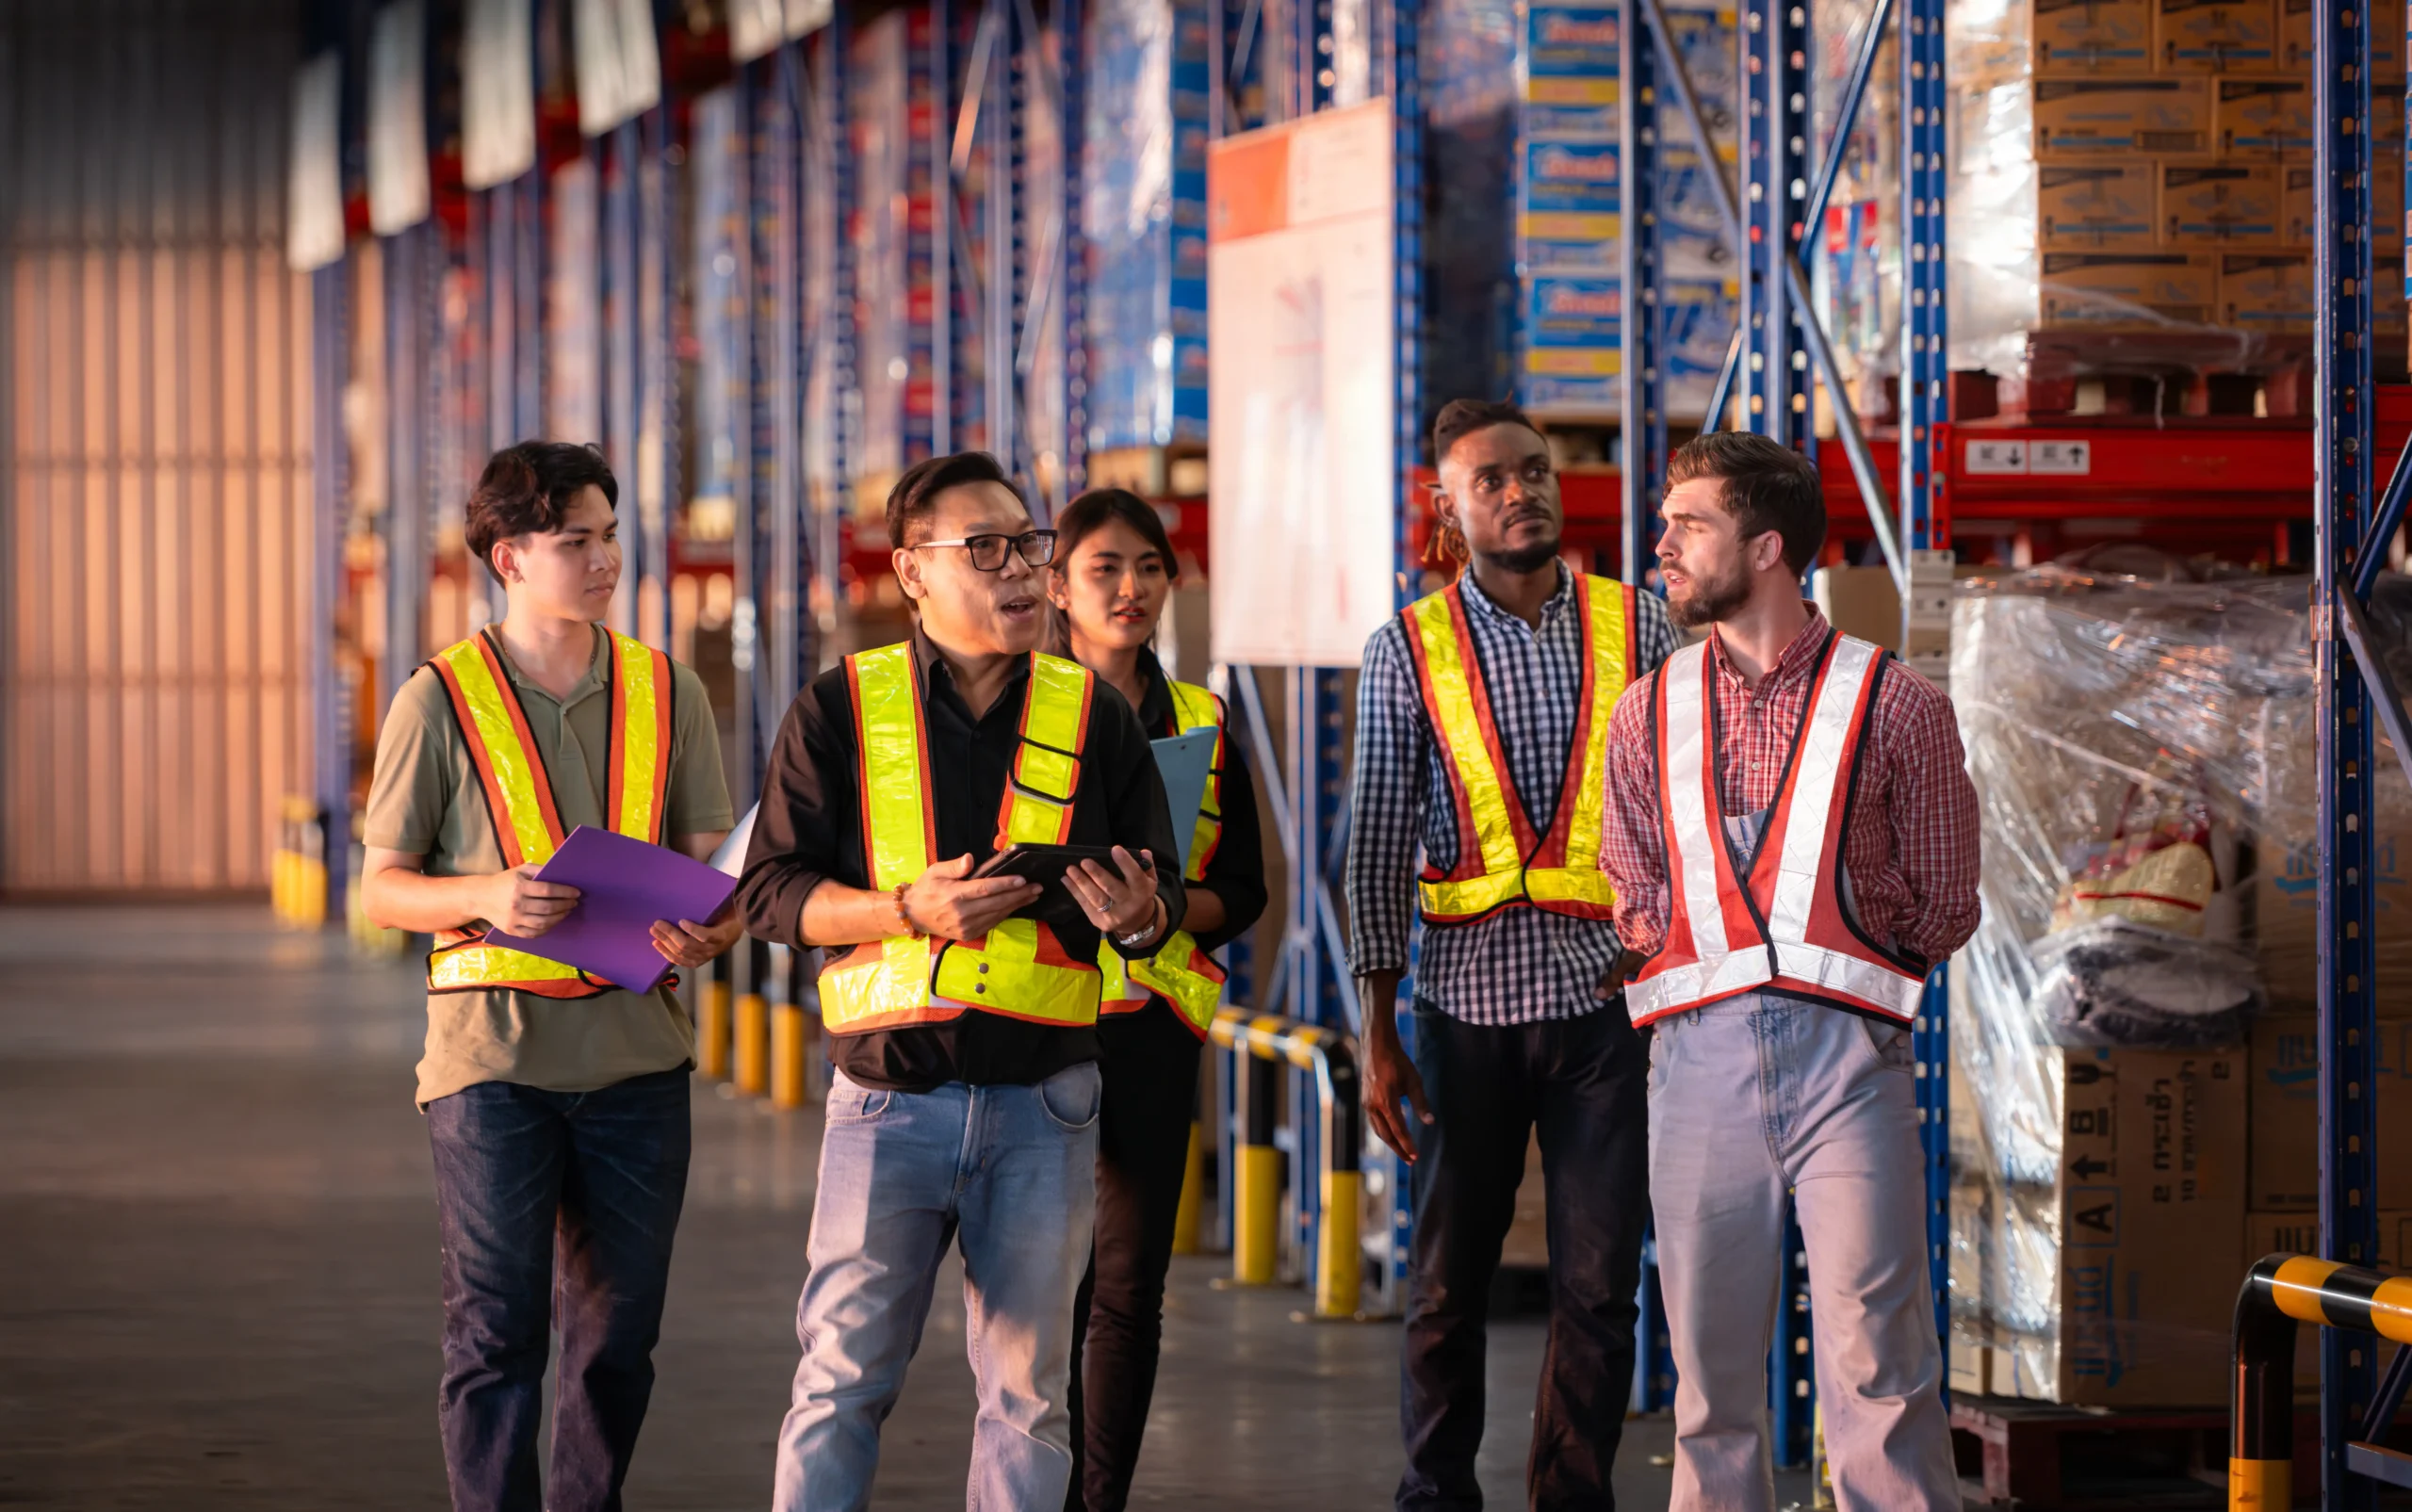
(1748, 1098)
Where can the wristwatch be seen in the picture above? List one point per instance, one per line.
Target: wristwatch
(1139, 937)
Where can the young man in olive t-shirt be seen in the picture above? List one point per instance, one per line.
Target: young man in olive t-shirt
(556, 1103)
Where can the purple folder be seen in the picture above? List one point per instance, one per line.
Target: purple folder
(624, 885)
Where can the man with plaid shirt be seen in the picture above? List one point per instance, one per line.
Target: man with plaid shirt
(1793, 838)
(1482, 721)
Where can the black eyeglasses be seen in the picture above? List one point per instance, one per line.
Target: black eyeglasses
(1037, 547)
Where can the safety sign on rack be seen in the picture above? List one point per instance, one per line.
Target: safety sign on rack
(2058, 459)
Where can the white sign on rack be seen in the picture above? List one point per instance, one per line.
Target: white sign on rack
(619, 62)
(498, 92)
(398, 187)
(1302, 432)
(313, 181)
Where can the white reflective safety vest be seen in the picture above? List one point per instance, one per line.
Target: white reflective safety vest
(1772, 921)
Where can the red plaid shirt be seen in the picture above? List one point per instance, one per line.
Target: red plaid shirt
(1911, 850)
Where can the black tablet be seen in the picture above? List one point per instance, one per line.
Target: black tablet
(1046, 866)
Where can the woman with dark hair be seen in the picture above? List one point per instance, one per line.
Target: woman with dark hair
(1113, 573)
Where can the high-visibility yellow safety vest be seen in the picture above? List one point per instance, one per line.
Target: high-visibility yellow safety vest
(1502, 862)
(519, 794)
(1018, 969)
(1186, 976)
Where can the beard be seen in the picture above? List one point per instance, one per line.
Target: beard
(1710, 599)
(1522, 559)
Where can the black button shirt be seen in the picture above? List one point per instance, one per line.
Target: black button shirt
(810, 830)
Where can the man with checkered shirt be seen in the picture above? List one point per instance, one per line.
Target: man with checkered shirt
(1482, 722)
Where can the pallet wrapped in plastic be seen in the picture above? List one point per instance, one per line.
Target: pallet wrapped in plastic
(2143, 752)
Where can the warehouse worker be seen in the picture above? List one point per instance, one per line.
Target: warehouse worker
(966, 1101)
(556, 1102)
(1482, 721)
(1113, 573)
(1793, 838)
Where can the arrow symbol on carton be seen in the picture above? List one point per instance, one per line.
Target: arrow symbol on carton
(2086, 1165)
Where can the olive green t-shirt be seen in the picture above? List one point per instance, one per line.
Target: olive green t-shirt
(427, 800)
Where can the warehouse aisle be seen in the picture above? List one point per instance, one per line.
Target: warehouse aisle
(218, 1283)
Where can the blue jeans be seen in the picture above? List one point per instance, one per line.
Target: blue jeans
(557, 1209)
(1010, 1172)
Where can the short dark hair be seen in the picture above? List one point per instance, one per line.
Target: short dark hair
(1099, 507)
(1463, 417)
(914, 497)
(525, 490)
(1768, 486)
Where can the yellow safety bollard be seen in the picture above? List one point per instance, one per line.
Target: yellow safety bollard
(1339, 1258)
(753, 1044)
(788, 1041)
(712, 1025)
(1186, 1217)
(1256, 1215)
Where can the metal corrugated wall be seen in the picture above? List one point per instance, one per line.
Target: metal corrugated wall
(155, 459)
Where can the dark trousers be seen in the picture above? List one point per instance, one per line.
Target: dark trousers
(553, 1200)
(1584, 1082)
(1149, 1058)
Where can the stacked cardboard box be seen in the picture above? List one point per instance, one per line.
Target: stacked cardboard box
(1145, 218)
(2144, 163)
(2093, 1286)
(1532, 108)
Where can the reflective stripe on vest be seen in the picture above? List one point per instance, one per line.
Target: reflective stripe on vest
(1502, 860)
(1184, 975)
(1180, 973)
(1783, 929)
(519, 793)
(1018, 969)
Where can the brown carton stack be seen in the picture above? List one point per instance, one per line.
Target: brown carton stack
(2144, 164)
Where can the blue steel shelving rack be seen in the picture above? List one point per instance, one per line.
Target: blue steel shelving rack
(2350, 686)
(1779, 356)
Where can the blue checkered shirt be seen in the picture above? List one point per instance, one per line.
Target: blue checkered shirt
(1519, 966)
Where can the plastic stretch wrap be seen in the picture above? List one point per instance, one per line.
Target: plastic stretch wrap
(2142, 753)
(1144, 213)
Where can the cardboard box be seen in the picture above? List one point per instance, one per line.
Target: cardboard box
(2267, 291)
(2092, 119)
(2284, 905)
(2121, 288)
(2286, 1112)
(2214, 36)
(2300, 215)
(2123, 1248)
(2095, 207)
(2236, 202)
(2063, 38)
(2387, 42)
(2262, 118)
(1967, 1357)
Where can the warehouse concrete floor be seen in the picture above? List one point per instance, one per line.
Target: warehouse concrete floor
(218, 1284)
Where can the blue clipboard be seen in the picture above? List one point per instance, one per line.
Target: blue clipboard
(1185, 762)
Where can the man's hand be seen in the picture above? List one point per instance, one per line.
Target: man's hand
(1121, 900)
(948, 903)
(519, 903)
(1391, 1077)
(686, 943)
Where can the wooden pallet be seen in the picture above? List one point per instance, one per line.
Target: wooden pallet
(2039, 1457)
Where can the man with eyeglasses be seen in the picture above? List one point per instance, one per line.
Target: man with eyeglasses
(963, 1029)
(1482, 720)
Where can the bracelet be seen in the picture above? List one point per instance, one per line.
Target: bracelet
(1155, 917)
(904, 915)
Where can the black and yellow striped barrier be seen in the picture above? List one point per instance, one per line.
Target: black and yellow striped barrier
(1260, 1044)
(2283, 1291)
